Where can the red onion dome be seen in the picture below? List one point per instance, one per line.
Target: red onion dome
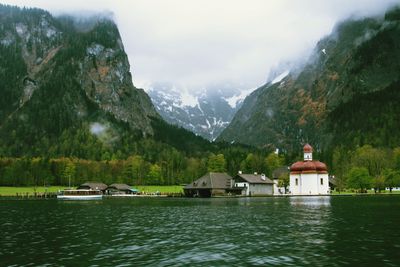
(309, 166)
(297, 166)
(321, 167)
(307, 148)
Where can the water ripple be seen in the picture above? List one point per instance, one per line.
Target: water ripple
(313, 231)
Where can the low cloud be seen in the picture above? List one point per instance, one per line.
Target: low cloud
(98, 129)
(194, 43)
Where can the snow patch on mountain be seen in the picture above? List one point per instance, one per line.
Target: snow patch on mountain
(206, 112)
(280, 77)
(188, 100)
(234, 100)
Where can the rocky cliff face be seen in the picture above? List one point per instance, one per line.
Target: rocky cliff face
(345, 95)
(58, 74)
(106, 80)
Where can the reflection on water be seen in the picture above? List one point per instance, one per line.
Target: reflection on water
(313, 201)
(295, 231)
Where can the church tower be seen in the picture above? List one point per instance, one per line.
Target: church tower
(307, 152)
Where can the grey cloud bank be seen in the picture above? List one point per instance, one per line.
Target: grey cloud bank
(193, 43)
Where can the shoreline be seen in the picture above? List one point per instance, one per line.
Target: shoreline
(54, 196)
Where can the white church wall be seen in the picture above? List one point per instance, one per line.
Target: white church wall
(309, 184)
(324, 188)
(295, 188)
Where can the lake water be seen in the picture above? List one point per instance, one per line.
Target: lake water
(297, 231)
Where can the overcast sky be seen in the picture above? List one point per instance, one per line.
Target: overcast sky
(195, 43)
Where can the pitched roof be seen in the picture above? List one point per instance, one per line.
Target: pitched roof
(211, 180)
(119, 186)
(255, 178)
(93, 185)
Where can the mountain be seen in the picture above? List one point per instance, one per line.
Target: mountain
(66, 90)
(346, 95)
(206, 112)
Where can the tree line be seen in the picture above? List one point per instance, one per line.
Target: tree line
(171, 168)
(366, 167)
(361, 169)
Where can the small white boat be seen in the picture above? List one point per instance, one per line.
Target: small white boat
(80, 194)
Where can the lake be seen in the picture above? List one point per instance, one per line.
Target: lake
(297, 231)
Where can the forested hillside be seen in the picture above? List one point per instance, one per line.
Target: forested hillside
(68, 108)
(345, 96)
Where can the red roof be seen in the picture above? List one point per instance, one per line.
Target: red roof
(308, 167)
(307, 148)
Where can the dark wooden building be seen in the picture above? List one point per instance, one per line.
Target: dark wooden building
(211, 184)
(118, 189)
(94, 186)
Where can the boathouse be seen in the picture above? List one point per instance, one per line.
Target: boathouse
(94, 186)
(121, 189)
(254, 184)
(210, 184)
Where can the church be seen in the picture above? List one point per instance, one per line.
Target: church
(309, 177)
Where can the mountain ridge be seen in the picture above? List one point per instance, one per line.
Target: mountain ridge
(67, 90)
(206, 112)
(360, 57)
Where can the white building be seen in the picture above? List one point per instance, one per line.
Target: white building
(253, 184)
(309, 177)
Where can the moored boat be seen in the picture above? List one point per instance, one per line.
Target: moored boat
(80, 194)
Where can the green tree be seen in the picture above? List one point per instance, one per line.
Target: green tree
(392, 178)
(154, 174)
(273, 161)
(341, 161)
(193, 170)
(138, 169)
(69, 172)
(379, 183)
(359, 178)
(374, 159)
(396, 158)
(253, 163)
(284, 181)
(216, 163)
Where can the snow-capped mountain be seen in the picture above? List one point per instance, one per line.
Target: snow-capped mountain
(205, 112)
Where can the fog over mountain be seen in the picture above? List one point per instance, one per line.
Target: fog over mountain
(200, 46)
(192, 44)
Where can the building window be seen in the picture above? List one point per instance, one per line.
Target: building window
(297, 181)
(322, 181)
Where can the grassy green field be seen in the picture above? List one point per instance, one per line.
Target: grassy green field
(13, 191)
(163, 189)
(353, 192)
